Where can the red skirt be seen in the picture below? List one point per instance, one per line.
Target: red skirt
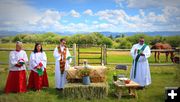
(45, 79)
(16, 82)
(37, 82)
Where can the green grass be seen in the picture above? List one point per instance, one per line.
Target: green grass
(161, 77)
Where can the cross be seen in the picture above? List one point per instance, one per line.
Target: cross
(172, 94)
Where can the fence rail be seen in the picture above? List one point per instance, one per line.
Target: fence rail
(152, 50)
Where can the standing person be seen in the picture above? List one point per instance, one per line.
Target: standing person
(140, 71)
(38, 76)
(16, 81)
(62, 55)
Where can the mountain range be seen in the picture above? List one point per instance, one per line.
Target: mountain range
(106, 33)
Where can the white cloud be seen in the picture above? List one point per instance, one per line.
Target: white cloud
(112, 16)
(140, 22)
(152, 3)
(19, 15)
(73, 13)
(16, 14)
(88, 12)
(142, 3)
(141, 12)
(104, 26)
(50, 18)
(120, 3)
(77, 27)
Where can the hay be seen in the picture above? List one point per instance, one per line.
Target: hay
(94, 90)
(97, 74)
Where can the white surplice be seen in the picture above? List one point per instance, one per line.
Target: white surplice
(36, 58)
(143, 76)
(14, 57)
(60, 79)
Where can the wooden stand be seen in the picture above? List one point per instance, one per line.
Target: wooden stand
(121, 89)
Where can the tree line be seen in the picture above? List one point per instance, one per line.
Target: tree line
(119, 41)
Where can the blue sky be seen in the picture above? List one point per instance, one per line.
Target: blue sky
(90, 15)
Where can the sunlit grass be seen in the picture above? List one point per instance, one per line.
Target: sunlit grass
(161, 77)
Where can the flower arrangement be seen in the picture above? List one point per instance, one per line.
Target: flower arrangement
(84, 72)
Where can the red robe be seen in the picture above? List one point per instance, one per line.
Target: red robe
(16, 81)
(38, 81)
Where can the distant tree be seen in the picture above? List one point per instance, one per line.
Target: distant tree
(122, 35)
(110, 36)
(122, 43)
(134, 39)
(118, 36)
(107, 41)
(6, 39)
(173, 40)
(157, 39)
(19, 37)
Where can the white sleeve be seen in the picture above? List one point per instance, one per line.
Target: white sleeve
(25, 57)
(12, 59)
(44, 59)
(56, 54)
(133, 54)
(32, 62)
(147, 52)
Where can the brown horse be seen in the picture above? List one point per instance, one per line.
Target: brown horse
(161, 46)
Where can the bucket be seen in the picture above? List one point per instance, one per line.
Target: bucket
(86, 80)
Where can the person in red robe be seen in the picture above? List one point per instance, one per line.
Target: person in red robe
(16, 81)
(38, 76)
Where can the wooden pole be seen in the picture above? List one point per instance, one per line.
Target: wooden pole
(74, 53)
(104, 55)
(78, 54)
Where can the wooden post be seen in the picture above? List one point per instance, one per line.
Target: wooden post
(78, 54)
(104, 55)
(102, 62)
(74, 53)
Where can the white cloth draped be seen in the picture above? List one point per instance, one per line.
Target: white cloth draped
(143, 76)
(60, 80)
(14, 57)
(36, 58)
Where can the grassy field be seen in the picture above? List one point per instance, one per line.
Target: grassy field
(162, 76)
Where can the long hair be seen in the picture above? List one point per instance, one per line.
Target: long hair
(35, 48)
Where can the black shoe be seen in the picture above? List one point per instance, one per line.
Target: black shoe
(141, 88)
(59, 89)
